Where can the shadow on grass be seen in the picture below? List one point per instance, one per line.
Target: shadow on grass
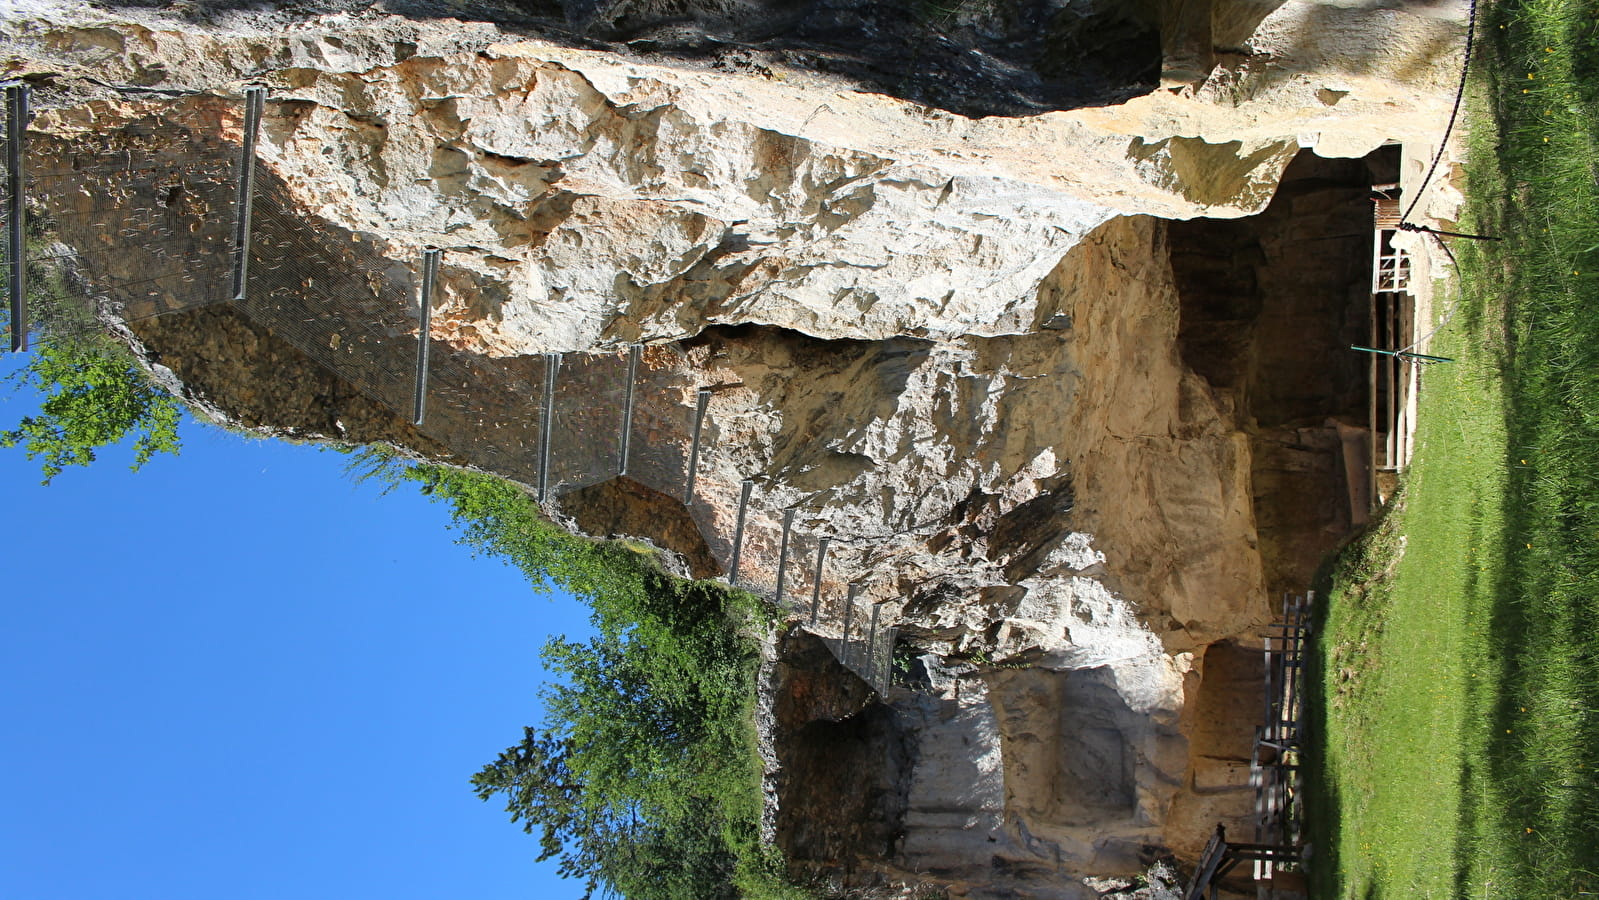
(1323, 799)
(1323, 825)
(1530, 811)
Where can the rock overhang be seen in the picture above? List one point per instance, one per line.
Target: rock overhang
(925, 324)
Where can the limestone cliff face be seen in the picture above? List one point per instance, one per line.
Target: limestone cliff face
(956, 346)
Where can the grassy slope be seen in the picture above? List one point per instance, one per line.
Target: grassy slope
(1395, 658)
(1460, 677)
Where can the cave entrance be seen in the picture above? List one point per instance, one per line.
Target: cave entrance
(1270, 306)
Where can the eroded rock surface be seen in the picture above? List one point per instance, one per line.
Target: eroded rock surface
(1048, 430)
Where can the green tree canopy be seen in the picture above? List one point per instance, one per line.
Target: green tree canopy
(95, 394)
(643, 779)
(95, 391)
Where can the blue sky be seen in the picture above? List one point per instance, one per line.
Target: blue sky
(237, 674)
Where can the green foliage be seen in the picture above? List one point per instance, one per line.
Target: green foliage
(644, 778)
(1460, 668)
(95, 395)
(1532, 782)
(95, 392)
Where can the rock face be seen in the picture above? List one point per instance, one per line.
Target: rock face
(1057, 386)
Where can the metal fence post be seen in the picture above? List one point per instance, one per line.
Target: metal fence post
(871, 646)
(16, 213)
(849, 621)
(703, 401)
(254, 103)
(889, 636)
(424, 332)
(552, 365)
(633, 354)
(738, 530)
(816, 589)
(782, 554)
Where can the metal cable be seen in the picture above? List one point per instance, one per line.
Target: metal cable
(1454, 112)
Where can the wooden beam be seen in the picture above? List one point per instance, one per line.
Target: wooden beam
(1209, 861)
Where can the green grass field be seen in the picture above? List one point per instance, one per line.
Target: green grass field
(1457, 695)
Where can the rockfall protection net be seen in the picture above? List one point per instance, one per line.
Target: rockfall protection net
(663, 412)
(136, 219)
(487, 410)
(345, 306)
(142, 221)
(865, 644)
(12, 247)
(761, 554)
(586, 443)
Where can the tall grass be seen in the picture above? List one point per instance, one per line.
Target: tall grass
(1534, 831)
(1460, 675)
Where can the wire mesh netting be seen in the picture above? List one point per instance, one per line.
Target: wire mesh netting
(791, 557)
(586, 438)
(811, 578)
(864, 643)
(486, 410)
(761, 549)
(349, 308)
(834, 609)
(9, 246)
(147, 208)
(663, 419)
(881, 671)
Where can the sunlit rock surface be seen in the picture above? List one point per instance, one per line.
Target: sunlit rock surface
(955, 344)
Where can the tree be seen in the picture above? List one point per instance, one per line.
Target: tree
(643, 780)
(95, 391)
(95, 395)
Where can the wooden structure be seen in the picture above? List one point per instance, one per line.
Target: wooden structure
(1275, 853)
(1274, 768)
(1392, 380)
(1221, 856)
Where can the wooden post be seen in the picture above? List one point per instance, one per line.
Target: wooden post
(1371, 404)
